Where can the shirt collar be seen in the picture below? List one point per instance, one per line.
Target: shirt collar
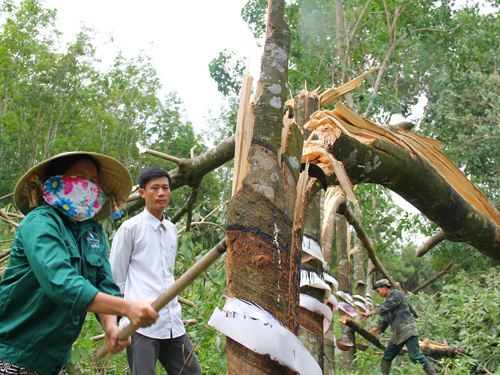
(153, 221)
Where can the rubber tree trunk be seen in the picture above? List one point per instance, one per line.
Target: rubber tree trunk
(261, 267)
(326, 247)
(359, 267)
(311, 324)
(344, 280)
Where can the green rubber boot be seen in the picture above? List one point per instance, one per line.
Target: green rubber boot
(385, 367)
(429, 368)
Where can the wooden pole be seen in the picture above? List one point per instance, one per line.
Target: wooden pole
(182, 282)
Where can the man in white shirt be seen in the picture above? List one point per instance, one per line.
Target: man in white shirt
(142, 261)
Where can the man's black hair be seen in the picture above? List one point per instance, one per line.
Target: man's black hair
(58, 166)
(151, 173)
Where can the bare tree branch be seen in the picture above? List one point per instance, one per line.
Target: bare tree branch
(430, 243)
(434, 278)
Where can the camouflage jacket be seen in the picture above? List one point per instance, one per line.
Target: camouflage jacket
(396, 313)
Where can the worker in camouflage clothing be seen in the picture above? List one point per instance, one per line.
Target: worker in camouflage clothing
(396, 313)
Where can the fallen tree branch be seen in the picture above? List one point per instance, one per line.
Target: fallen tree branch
(5, 217)
(434, 278)
(430, 243)
(188, 206)
(446, 270)
(435, 349)
(358, 328)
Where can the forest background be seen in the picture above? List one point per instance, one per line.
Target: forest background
(439, 53)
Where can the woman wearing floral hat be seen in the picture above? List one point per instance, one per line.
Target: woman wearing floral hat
(58, 268)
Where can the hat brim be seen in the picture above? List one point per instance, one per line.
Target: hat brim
(114, 179)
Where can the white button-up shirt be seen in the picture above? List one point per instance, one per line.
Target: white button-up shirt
(142, 261)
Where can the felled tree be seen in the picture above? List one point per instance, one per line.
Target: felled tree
(412, 166)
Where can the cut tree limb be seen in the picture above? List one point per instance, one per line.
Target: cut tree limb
(434, 278)
(358, 328)
(435, 349)
(430, 243)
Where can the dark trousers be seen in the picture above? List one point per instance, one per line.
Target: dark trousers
(175, 355)
(393, 350)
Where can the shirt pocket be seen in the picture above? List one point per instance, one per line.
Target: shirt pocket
(94, 262)
(74, 255)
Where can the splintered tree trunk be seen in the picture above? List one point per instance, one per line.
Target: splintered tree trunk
(344, 279)
(261, 266)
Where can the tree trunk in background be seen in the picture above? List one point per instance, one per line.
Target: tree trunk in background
(261, 267)
(311, 324)
(328, 341)
(359, 257)
(344, 279)
(359, 270)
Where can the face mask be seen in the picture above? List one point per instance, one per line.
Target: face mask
(80, 198)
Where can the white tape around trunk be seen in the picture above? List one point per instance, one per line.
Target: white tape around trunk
(263, 337)
(313, 248)
(315, 306)
(314, 280)
(333, 302)
(332, 281)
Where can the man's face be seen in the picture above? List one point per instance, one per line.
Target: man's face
(156, 194)
(383, 292)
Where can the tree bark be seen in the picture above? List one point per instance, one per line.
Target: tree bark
(365, 240)
(311, 324)
(344, 279)
(359, 267)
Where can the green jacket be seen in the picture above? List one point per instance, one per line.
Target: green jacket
(56, 268)
(396, 313)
